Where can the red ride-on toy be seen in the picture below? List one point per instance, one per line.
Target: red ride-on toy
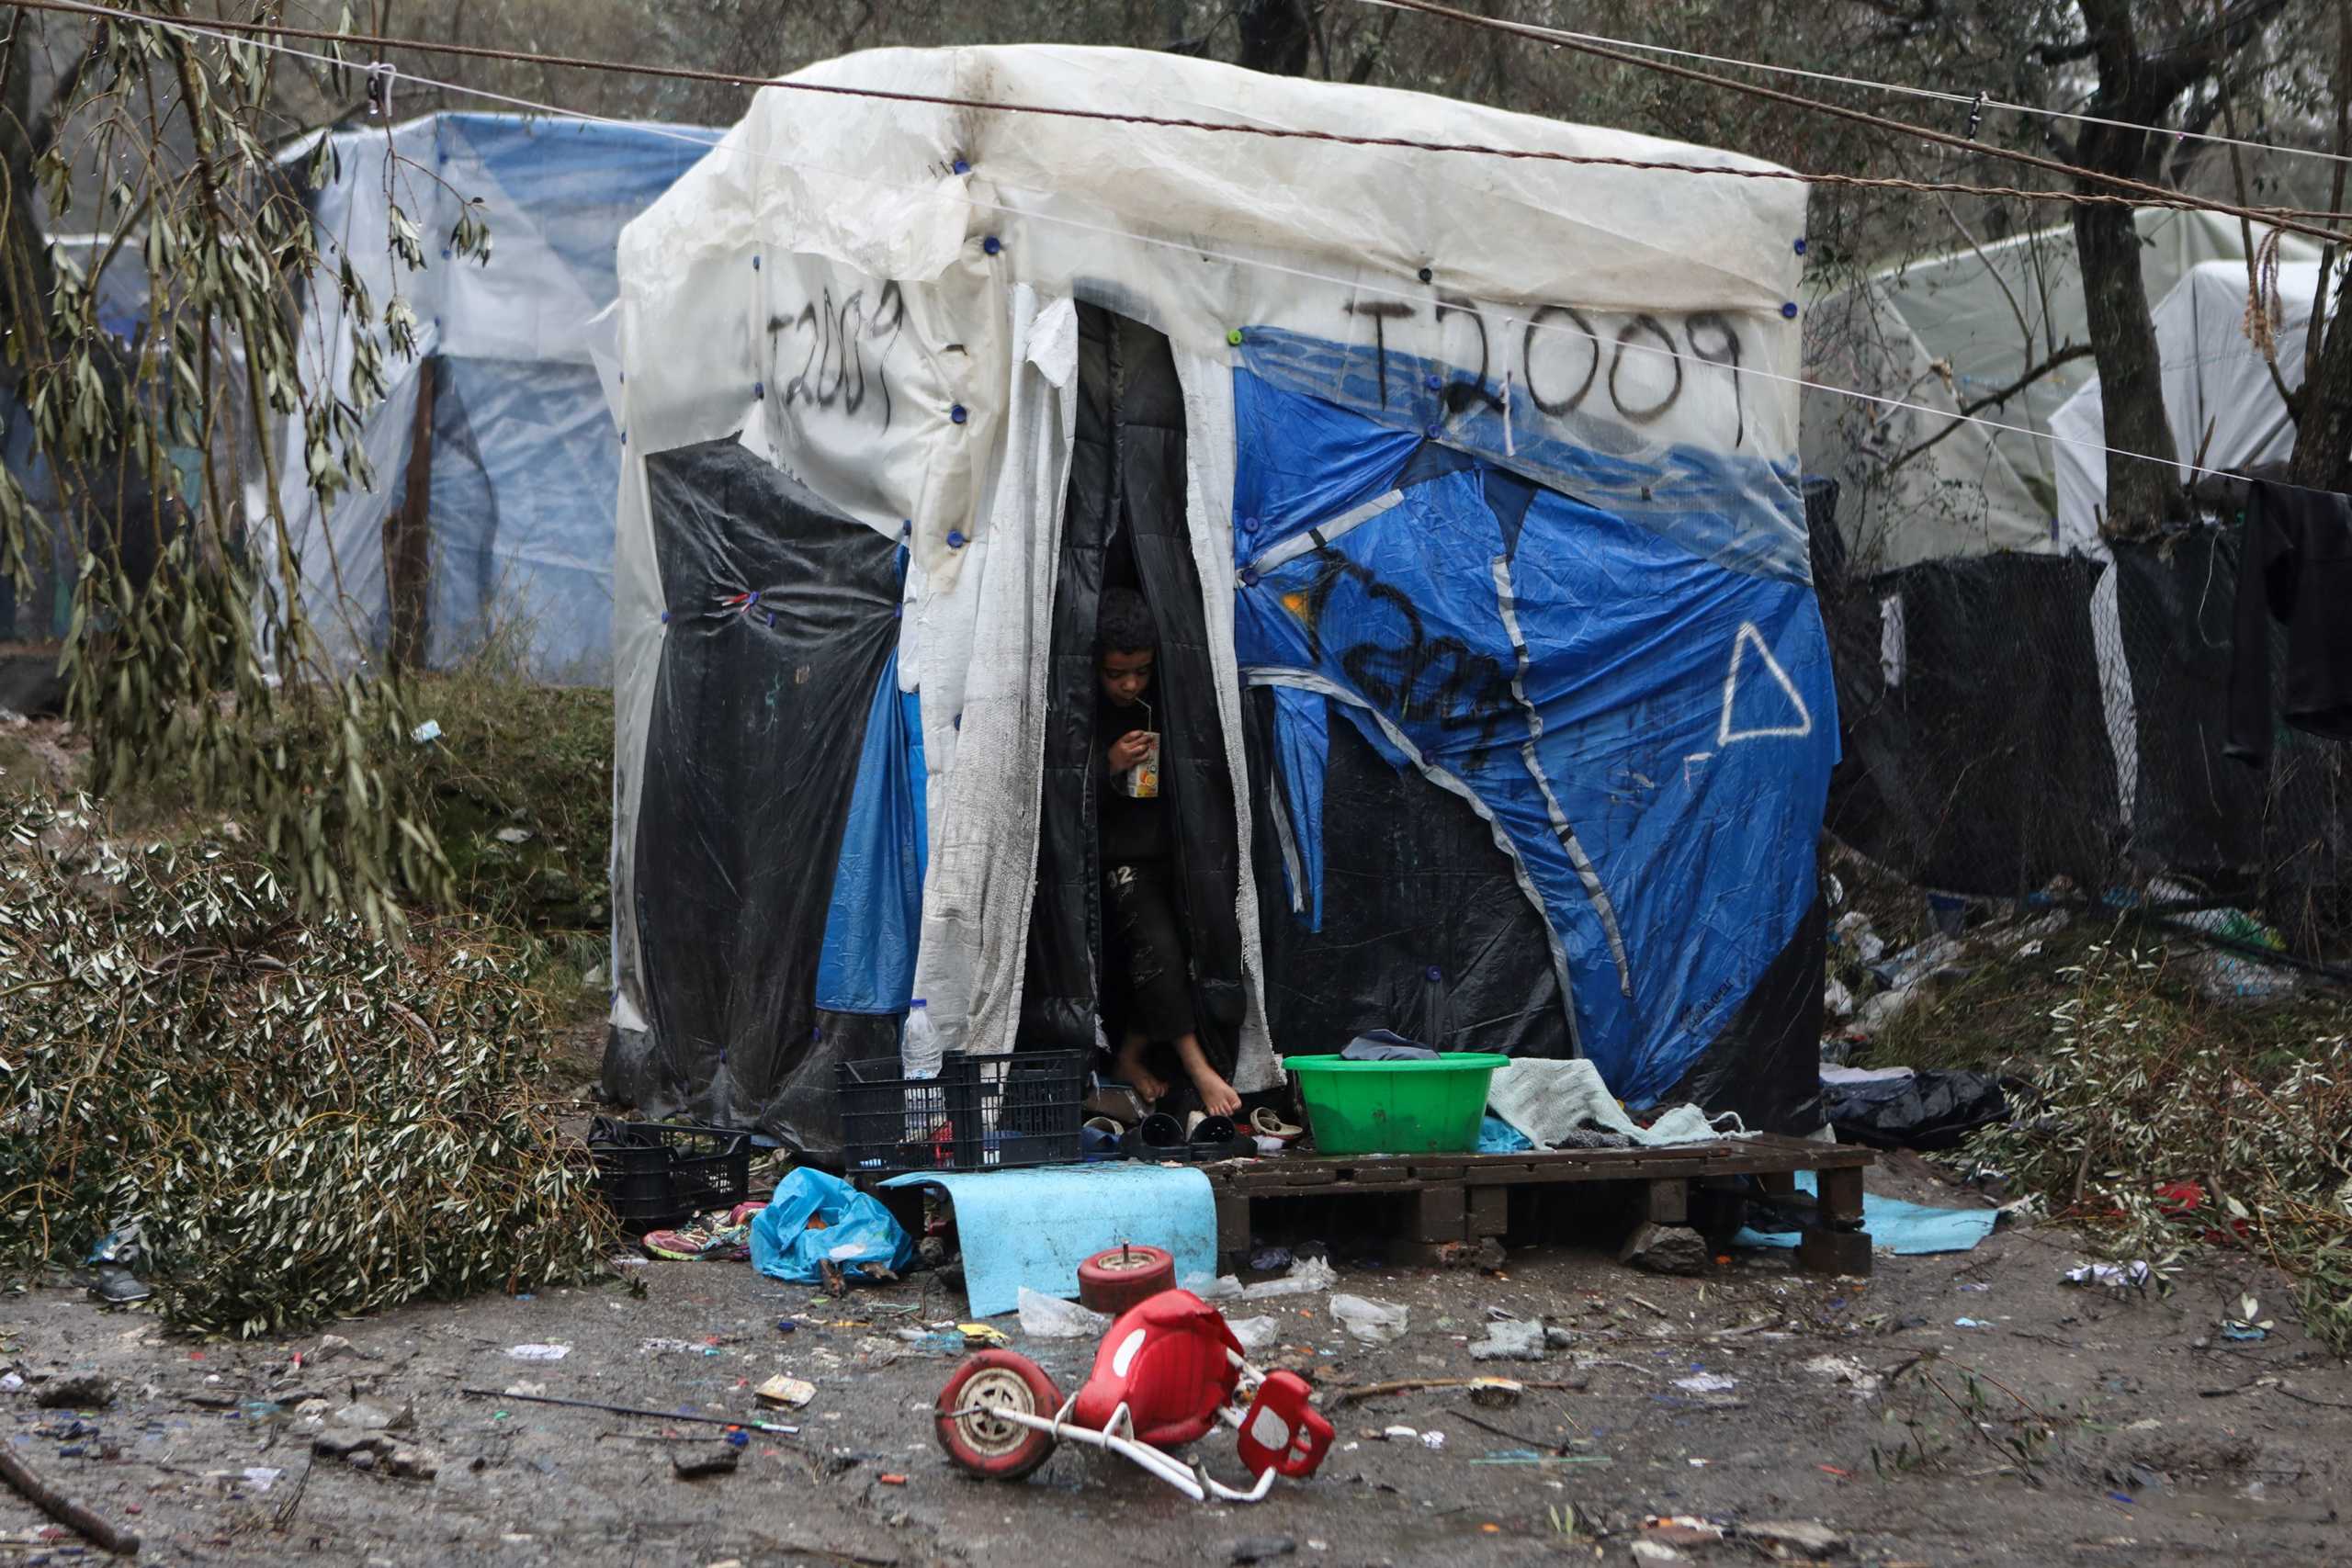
(1168, 1371)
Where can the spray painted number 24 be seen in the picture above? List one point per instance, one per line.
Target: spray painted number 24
(833, 371)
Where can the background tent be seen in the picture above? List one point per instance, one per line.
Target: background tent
(516, 440)
(1946, 330)
(2225, 408)
(1489, 657)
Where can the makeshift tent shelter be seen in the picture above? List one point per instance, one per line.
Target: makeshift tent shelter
(2225, 408)
(1948, 329)
(514, 457)
(1488, 651)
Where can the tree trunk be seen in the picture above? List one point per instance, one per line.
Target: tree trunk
(2323, 456)
(1275, 36)
(2139, 495)
(2142, 495)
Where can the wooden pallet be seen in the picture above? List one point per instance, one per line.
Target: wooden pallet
(1452, 1199)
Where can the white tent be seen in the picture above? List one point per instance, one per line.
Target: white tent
(2220, 399)
(1952, 328)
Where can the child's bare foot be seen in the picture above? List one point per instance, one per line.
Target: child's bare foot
(1217, 1097)
(1129, 1066)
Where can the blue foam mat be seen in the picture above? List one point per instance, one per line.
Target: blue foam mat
(1911, 1229)
(1035, 1227)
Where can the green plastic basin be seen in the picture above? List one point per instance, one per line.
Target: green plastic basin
(1428, 1107)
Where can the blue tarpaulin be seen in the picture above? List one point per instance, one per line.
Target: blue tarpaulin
(867, 962)
(1649, 730)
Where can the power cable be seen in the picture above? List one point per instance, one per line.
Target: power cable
(1970, 101)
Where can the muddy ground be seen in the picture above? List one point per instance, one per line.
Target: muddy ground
(2074, 1427)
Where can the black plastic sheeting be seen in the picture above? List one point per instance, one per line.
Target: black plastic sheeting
(1412, 881)
(1764, 1063)
(1984, 769)
(2282, 836)
(1126, 520)
(1926, 1111)
(751, 758)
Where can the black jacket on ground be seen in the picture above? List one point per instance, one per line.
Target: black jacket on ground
(2295, 569)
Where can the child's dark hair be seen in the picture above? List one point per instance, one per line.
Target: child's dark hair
(1123, 623)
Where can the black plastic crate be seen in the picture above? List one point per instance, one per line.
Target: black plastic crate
(657, 1174)
(979, 1113)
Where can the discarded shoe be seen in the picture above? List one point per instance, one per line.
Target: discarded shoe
(717, 1237)
(1267, 1122)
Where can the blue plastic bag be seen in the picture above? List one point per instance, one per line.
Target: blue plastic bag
(858, 1229)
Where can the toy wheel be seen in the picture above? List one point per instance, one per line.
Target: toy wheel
(984, 1443)
(1121, 1277)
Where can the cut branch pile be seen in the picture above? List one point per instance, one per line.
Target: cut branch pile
(304, 1121)
(2157, 1128)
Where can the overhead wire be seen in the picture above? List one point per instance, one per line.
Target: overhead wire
(2293, 220)
(1528, 322)
(1970, 101)
(2290, 219)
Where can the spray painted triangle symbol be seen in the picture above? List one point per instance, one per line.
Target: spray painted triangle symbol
(1749, 638)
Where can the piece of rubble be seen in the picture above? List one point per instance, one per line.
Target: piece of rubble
(1666, 1249)
(702, 1459)
(1800, 1536)
(86, 1391)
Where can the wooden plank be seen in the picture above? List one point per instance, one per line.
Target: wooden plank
(1841, 1197)
(1232, 1224)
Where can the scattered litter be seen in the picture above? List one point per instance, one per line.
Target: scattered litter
(1707, 1382)
(1224, 1288)
(1307, 1277)
(262, 1477)
(1265, 1260)
(1970, 1322)
(2243, 1325)
(1657, 1551)
(1433, 1440)
(513, 834)
(1680, 1529)
(429, 731)
(1844, 1370)
(981, 1336)
(816, 1222)
(2116, 1276)
(674, 1347)
(1255, 1333)
(538, 1352)
(1412, 1435)
(790, 1391)
(1512, 1340)
(1530, 1457)
(1377, 1323)
(11, 1382)
(1050, 1318)
(890, 1478)
(1494, 1393)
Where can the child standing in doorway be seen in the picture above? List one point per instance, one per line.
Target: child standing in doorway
(1138, 869)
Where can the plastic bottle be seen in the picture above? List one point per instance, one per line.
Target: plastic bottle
(919, 1052)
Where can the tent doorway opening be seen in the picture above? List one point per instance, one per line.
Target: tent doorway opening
(1124, 527)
